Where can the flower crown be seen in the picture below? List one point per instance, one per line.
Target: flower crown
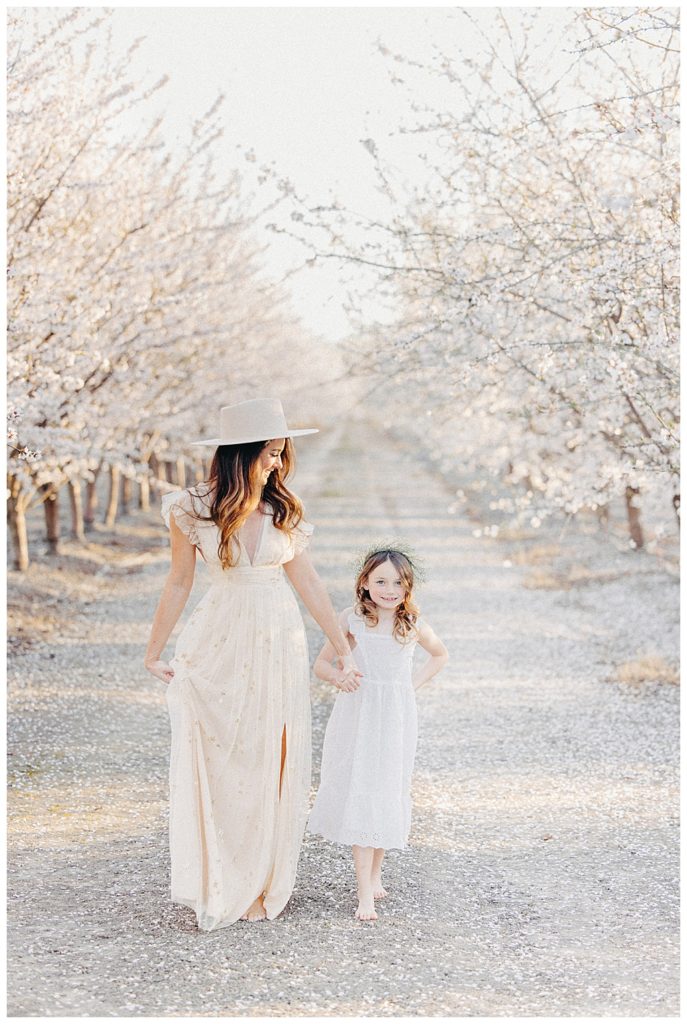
(394, 544)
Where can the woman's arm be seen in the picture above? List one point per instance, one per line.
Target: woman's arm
(172, 600)
(324, 669)
(313, 593)
(431, 643)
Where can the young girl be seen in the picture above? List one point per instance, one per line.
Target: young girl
(369, 744)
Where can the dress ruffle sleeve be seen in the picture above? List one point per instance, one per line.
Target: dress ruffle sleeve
(300, 536)
(180, 505)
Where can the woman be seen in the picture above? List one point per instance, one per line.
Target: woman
(238, 685)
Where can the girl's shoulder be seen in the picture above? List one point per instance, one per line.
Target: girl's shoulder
(345, 615)
(426, 636)
(415, 632)
(353, 623)
(422, 627)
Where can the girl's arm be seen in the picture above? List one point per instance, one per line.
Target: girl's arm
(324, 669)
(313, 593)
(172, 600)
(431, 643)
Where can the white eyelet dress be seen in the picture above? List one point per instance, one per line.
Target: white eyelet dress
(241, 677)
(369, 748)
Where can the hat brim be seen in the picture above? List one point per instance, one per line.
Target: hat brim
(216, 441)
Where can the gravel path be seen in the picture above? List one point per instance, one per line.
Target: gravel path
(542, 875)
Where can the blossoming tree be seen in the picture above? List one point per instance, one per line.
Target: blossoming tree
(136, 298)
(537, 265)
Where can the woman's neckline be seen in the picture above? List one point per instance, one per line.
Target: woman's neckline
(261, 529)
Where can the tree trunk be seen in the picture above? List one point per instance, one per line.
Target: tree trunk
(144, 494)
(51, 507)
(113, 497)
(126, 494)
(603, 515)
(16, 521)
(633, 517)
(181, 471)
(91, 500)
(76, 501)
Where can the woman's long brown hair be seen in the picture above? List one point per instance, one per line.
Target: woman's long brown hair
(232, 485)
(406, 613)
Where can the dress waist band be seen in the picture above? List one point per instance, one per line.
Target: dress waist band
(258, 575)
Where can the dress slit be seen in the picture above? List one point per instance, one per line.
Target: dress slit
(283, 758)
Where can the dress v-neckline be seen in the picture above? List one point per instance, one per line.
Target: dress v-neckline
(258, 542)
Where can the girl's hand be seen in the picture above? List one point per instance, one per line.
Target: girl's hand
(347, 682)
(161, 670)
(349, 674)
(348, 665)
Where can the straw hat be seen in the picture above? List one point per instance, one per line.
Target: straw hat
(261, 419)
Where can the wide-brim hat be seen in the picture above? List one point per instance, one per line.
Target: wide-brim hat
(260, 419)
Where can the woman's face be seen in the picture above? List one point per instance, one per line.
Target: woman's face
(385, 586)
(269, 459)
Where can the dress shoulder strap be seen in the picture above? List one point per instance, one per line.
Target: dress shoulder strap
(355, 624)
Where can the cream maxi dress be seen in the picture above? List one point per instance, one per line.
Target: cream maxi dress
(241, 683)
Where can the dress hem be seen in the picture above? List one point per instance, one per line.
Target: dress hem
(331, 838)
(225, 923)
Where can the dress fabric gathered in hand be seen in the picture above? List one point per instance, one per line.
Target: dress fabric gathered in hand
(369, 748)
(240, 685)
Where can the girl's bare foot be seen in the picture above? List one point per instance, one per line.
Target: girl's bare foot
(378, 890)
(256, 911)
(366, 908)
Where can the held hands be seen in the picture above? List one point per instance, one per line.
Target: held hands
(161, 670)
(347, 676)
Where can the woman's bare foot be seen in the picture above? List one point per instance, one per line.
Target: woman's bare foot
(366, 908)
(378, 890)
(256, 911)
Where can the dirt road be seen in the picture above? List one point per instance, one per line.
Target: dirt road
(542, 874)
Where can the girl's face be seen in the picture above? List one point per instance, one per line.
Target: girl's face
(269, 459)
(385, 586)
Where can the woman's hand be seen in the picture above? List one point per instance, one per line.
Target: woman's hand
(161, 670)
(347, 682)
(347, 663)
(348, 674)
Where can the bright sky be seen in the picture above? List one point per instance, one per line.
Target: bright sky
(303, 87)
